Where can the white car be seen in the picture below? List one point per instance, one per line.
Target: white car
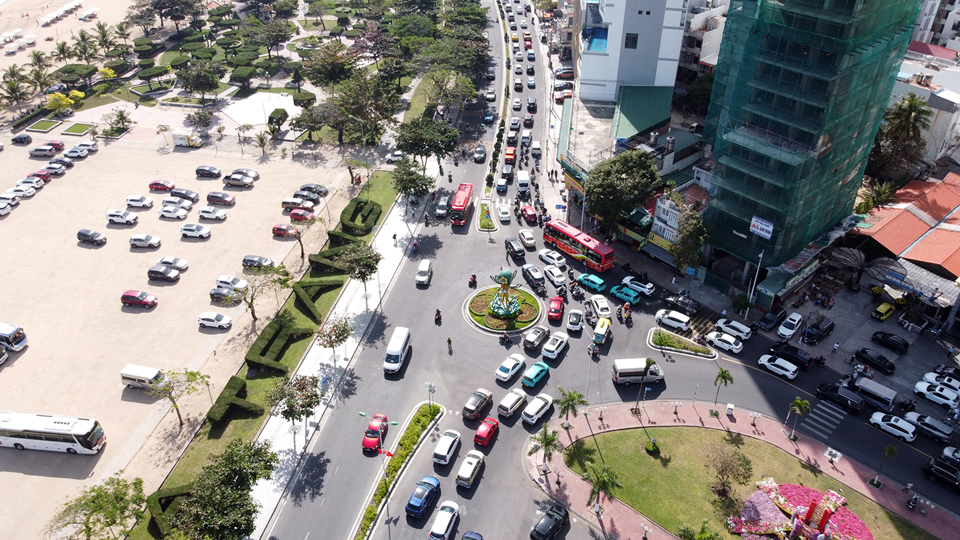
(9, 199)
(145, 240)
(503, 212)
(939, 394)
(249, 173)
(35, 183)
(442, 528)
(778, 366)
(601, 306)
(550, 256)
(231, 282)
(724, 341)
(511, 402)
(174, 262)
(177, 201)
(673, 319)
(122, 216)
(732, 327)
(192, 230)
(790, 326)
(513, 364)
(943, 380)
(894, 425)
(554, 274)
(517, 105)
(575, 320)
(526, 238)
(76, 152)
(469, 469)
(209, 212)
(172, 212)
(89, 146)
(55, 169)
(211, 319)
(139, 201)
(555, 345)
(4, 208)
(633, 283)
(22, 191)
(394, 157)
(537, 408)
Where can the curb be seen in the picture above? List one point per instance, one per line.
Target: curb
(714, 356)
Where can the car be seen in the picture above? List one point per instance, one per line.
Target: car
(162, 185)
(641, 286)
(943, 380)
(555, 345)
(486, 432)
(535, 337)
(518, 70)
(490, 96)
(139, 201)
(301, 214)
(23, 138)
(184, 193)
(501, 185)
(174, 262)
(231, 282)
(394, 157)
(528, 213)
(950, 371)
(534, 374)
(894, 425)
(211, 319)
(514, 124)
(527, 239)
(192, 230)
(55, 169)
(555, 311)
(9, 199)
(480, 154)
(575, 320)
(4, 208)
(224, 295)
(794, 355)
(944, 472)
(32, 183)
(219, 197)
(88, 236)
(57, 145)
(509, 367)
(560, 97)
(22, 191)
(376, 431)
(238, 180)
(550, 256)
(592, 282)
(523, 23)
(951, 455)
(790, 326)
(138, 298)
(490, 115)
(506, 172)
(531, 56)
(601, 307)
(249, 173)
(256, 261)
(562, 85)
(683, 303)
(307, 196)
(772, 319)
(721, 340)
(732, 327)
(532, 104)
(531, 70)
(144, 241)
(531, 83)
(122, 217)
(510, 403)
(477, 401)
(423, 495)
(207, 171)
(818, 328)
(537, 408)
(939, 394)
(53, 89)
(76, 153)
(929, 426)
(528, 120)
(883, 311)
(517, 104)
(626, 294)
(173, 212)
(673, 319)
(891, 341)
(875, 359)
(470, 468)
(44, 175)
(443, 207)
(315, 188)
(554, 275)
(532, 274)
(65, 161)
(89, 146)
(503, 213)
(779, 366)
(842, 396)
(442, 528)
(211, 213)
(550, 523)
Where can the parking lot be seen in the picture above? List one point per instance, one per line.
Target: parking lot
(66, 296)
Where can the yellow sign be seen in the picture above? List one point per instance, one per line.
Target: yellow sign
(658, 240)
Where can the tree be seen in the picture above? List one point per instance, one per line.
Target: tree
(141, 14)
(122, 31)
(408, 181)
(882, 192)
(424, 137)
(730, 465)
(13, 73)
(202, 76)
(262, 140)
(63, 52)
(373, 43)
(363, 262)
(104, 37)
(39, 60)
(315, 10)
(394, 69)
(889, 451)
(691, 235)
(162, 130)
(798, 407)
(603, 481)
(176, 384)
(329, 64)
(101, 511)
(618, 185)
(724, 377)
(272, 34)
(546, 441)
(107, 74)
(85, 51)
(310, 120)
(908, 118)
(151, 73)
(686, 533)
(267, 279)
(334, 331)
(241, 129)
(221, 505)
(39, 79)
(570, 402)
(58, 103)
(449, 88)
(200, 119)
(118, 119)
(899, 142)
(296, 398)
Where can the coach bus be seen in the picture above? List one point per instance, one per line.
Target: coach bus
(12, 337)
(52, 433)
(462, 202)
(578, 244)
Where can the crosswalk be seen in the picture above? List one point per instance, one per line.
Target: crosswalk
(822, 419)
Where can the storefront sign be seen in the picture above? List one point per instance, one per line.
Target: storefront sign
(761, 227)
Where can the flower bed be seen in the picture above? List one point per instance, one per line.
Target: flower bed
(761, 513)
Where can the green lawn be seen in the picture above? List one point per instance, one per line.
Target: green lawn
(91, 102)
(155, 87)
(418, 102)
(486, 224)
(43, 125)
(328, 135)
(78, 129)
(673, 488)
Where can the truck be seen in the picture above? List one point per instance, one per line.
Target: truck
(187, 138)
(523, 181)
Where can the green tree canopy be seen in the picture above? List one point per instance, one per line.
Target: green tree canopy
(620, 184)
(408, 181)
(692, 233)
(424, 137)
(202, 76)
(329, 64)
(101, 511)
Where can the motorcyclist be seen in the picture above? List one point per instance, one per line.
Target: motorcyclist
(505, 337)
(437, 314)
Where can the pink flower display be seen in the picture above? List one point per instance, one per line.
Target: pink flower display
(849, 525)
(799, 496)
(759, 507)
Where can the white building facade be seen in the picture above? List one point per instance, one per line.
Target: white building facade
(705, 20)
(923, 30)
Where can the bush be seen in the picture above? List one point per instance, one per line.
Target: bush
(231, 34)
(195, 38)
(118, 66)
(142, 42)
(243, 75)
(360, 215)
(115, 53)
(305, 290)
(353, 33)
(232, 395)
(190, 47)
(30, 118)
(662, 338)
(292, 66)
(278, 117)
(179, 61)
(244, 58)
(304, 99)
(227, 42)
(336, 30)
(147, 63)
(202, 54)
(229, 23)
(220, 11)
(169, 498)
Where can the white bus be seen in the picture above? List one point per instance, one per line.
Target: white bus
(52, 433)
(12, 337)
(630, 370)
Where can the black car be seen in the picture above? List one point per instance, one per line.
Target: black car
(185, 194)
(477, 401)
(163, 273)
(256, 261)
(891, 341)
(685, 304)
(23, 138)
(844, 397)
(219, 197)
(939, 470)
(550, 523)
(206, 171)
(794, 355)
(949, 371)
(531, 104)
(65, 161)
(527, 271)
(88, 236)
(535, 337)
(875, 359)
(224, 296)
(531, 69)
(307, 196)
(563, 85)
(772, 319)
(315, 188)
(507, 172)
(817, 331)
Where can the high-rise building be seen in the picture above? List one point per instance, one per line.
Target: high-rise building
(799, 92)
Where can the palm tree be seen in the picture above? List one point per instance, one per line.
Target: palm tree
(39, 60)
(686, 533)
(907, 118)
(241, 129)
(262, 141)
(63, 52)
(799, 407)
(602, 481)
(39, 80)
(14, 92)
(85, 51)
(570, 401)
(13, 73)
(122, 31)
(104, 37)
(889, 452)
(83, 37)
(546, 441)
(723, 376)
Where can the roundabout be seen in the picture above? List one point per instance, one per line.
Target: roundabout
(503, 307)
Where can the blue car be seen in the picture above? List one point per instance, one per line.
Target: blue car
(489, 115)
(533, 375)
(423, 496)
(627, 294)
(591, 282)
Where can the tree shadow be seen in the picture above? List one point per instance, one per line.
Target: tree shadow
(309, 484)
(725, 507)
(427, 246)
(342, 383)
(734, 439)
(580, 454)
(811, 466)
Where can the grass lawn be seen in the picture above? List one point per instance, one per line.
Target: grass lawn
(486, 224)
(418, 102)
(78, 129)
(315, 25)
(91, 102)
(126, 95)
(155, 87)
(44, 125)
(192, 100)
(673, 488)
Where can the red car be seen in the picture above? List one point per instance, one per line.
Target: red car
(560, 97)
(301, 215)
(528, 213)
(527, 45)
(138, 298)
(162, 185)
(57, 145)
(486, 432)
(375, 433)
(555, 313)
(284, 230)
(43, 175)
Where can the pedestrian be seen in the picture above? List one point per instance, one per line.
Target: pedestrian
(723, 314)
(950, 354)
(835, 347)
(394, 238)
(908, 487)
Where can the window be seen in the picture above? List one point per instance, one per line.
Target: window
(631, 41)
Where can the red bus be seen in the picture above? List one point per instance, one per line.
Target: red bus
(462, 202)
(578, 244)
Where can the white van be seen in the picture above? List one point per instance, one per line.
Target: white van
(630, 370)
(523, 181)
(526, 136)
(397, 347)
(535, 149)
(142, 377)
(424, 273)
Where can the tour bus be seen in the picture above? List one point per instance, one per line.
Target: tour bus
(12, 337)
(52, 433)
(462, 202)
(579, 245)
(630, 370)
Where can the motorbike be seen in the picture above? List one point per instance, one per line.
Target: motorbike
(863, 371)
(456, 161)
(450, 177)
(570, 272)
(907, 405)
(701, 339)
(472, 282)
(504, 339)
(821, 361)
(437, 317)
(538, 164)
(912, 503)
(628, 318)
(593, 350)
(540, 221)
(639, 274)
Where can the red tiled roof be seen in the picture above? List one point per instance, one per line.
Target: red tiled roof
(894, 228)
(695, 193)
(938, 201)
(942, 247)
(932, 50)
(913, 191)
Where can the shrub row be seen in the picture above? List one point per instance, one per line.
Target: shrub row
(232, 395)
(324, 261)
(30, 118)
(360, 215)
(305, 289)
(169, 498)
(662, 338)
(270, 343)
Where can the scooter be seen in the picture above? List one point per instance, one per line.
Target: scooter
(912, 503)
(472, 282)
(456, 161)
(437, 318)
(504, 339)
(907, 405)
(570, 272)
(450, 177)
(821, 361)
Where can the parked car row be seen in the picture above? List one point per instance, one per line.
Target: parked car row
(27, 187)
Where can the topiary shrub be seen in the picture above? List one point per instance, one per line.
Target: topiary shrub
(307, 289)
(179, 61)
(244, 58)
(195, 38)
(164, 503)
(278, 117)
(197, 24)
(115, 53)
(220, 11)
(248, 48)
(142, 42)
(118, 66)
(360, 215)
(229, 23)
(146, 63)
(232, 396)
(336, 30)
(353, 33)
(227, 42)
(292, 66)
(202, 54)
(243, 75)
(144, 51)
(190, 47)
(304, 99)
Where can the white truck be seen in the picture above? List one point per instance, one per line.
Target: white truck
(523, 181)
(189, 139)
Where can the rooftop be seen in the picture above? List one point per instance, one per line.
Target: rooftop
(932, 50)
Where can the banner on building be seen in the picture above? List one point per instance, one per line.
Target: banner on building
(761, 227)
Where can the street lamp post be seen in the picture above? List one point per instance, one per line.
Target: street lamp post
(753, 288)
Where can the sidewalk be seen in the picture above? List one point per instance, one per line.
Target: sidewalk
(620, 521)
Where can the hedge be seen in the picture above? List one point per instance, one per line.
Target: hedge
(115, 53)
(278, 117)
(360, 215)
(231, 395)
(336, 30)
(243, 75)
(305, 290)
(118, 66)
(30, 118)
(353, 33)
(140, 42)
(244, 58)
(190, 47)
(338, 238)
(270, 343)
(179, 61)
(231, 34)
(325, 261)
(169, 497)
(202, 54)
(304, 99)
(147, 63)
(220, 11)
